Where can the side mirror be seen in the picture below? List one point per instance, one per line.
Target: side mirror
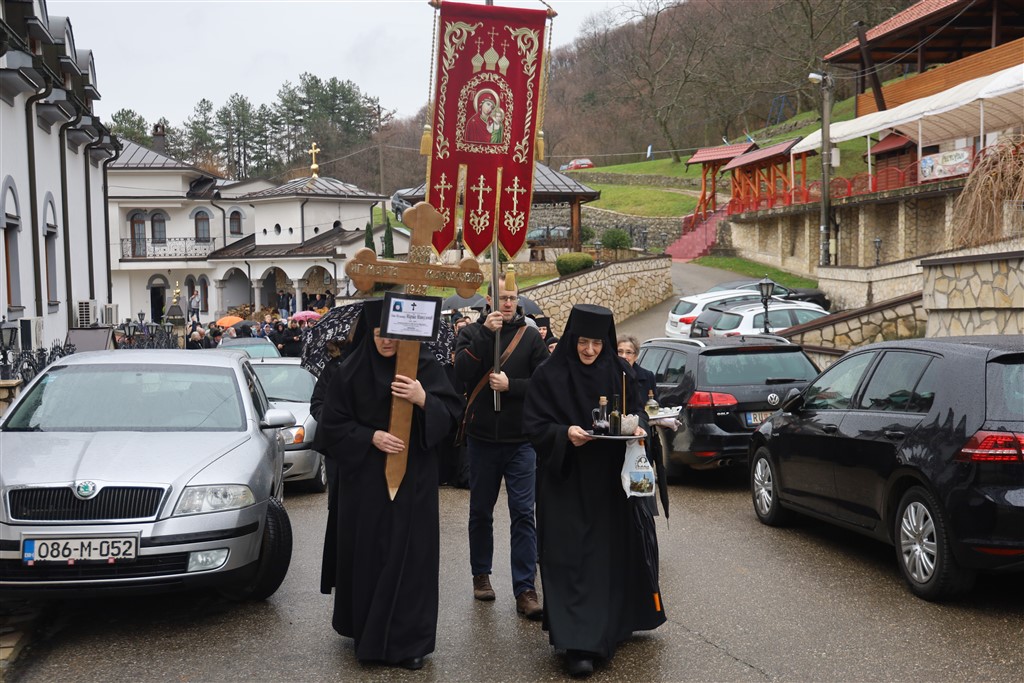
(794, 401)
(277, 418)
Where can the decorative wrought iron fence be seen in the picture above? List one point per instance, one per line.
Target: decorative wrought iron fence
(148, 336)
(171, 247)
(25, 365)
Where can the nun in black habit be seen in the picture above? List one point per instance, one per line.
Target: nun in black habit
(598, 548)
(385, 552)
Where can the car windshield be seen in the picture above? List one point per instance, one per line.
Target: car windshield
(285, 382)
(131, 398)
(757, 367)
(256, 348)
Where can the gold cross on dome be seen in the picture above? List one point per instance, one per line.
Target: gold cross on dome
(314, 150)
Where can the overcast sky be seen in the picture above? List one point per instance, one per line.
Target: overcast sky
(160, 57)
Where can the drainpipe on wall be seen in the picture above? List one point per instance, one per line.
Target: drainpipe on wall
(118, 148)
(30, 124)
(223, 220)
(65, 212)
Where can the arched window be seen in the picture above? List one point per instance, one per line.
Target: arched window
(202, 227)
(138, 227)
(236, 222)
(159, 226)
(204, 295)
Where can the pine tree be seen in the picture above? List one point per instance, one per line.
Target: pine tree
(389, 237)
(368, 242)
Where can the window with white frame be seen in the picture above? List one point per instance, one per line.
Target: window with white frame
(158, 224)
(202, 220)
(235, 222)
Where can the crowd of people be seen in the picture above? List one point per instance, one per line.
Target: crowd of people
(528, 424)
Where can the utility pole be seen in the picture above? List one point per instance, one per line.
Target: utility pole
(380, 149)
(825, 79)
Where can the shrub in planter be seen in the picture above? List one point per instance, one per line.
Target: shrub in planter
(616, 238)
(586, 234)
(568, 264)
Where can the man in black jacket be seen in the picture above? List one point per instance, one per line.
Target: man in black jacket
(496, 445)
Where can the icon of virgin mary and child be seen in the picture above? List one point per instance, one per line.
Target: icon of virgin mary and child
(487, 125)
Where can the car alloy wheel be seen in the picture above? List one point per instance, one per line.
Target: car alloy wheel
(764, 490)
(923, 549)
(917, 542)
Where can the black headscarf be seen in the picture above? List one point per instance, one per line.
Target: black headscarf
(581, 386)
(365, 368)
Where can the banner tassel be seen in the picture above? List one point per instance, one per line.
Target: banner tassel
(510, 277)
(427, 141)
(540, 146)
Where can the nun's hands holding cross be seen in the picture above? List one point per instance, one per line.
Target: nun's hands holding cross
(409, 389)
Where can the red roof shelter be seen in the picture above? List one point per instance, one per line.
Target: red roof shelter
(712, 159)
(760, 178)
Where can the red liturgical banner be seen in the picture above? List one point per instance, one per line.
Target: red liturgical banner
(486, 118)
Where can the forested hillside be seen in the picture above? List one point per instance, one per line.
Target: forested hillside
(669, 74)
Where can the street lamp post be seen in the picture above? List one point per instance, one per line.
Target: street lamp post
(878, 251)
(131, 328)
(825, 80)
(597, 252)
(8, 336)
(643, 236)
(766, 287)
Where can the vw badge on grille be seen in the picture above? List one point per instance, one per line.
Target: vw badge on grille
(773, 399)
(85, 489)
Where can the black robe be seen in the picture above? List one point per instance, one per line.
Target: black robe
(386, 553)
(598, 548)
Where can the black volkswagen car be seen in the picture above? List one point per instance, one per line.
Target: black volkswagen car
(725, 387)
(917, 443)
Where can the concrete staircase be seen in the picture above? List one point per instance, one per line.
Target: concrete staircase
(697, 238)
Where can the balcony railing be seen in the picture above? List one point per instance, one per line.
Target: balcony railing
(170, 248)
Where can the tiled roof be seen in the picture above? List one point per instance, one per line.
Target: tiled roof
(316, 187)
(136, 156)
(720, 153)
(319, 246)
(914, 13)
(549, 187)
(760, 155)
(891, 143)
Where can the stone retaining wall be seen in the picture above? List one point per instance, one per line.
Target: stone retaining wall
(974, 294)
(903, 317)
(626, 287)
(587, 177)
(9, 389)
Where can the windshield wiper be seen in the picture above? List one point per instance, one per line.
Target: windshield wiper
(23, 429)
(783, 380)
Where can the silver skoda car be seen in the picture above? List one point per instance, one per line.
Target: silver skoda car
(143, 470)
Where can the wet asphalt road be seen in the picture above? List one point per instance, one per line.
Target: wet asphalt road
(744, 603)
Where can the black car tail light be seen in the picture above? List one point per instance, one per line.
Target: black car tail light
(987, 446)
(710, 399)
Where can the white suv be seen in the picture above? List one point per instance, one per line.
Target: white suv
(689, 307)
(749, 318)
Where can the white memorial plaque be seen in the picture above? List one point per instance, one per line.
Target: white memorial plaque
(411, 317)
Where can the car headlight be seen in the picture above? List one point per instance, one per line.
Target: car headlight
(296, 434)
(199, 499)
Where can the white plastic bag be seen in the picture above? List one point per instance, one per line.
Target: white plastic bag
(637, 473)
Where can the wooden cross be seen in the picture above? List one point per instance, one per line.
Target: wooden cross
(365, 270)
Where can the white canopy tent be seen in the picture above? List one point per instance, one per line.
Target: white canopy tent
(990, 103)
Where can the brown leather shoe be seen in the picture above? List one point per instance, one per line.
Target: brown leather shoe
(482, 587)
(528, 605)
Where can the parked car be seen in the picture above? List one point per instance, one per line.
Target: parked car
(289, 386)
(686, 310)
(576, 164)
(733, 319)
(725, 388)
(256, 347)
(399, 203)
(815, 296)
(143, 470)
(917, 443)
(549, 233)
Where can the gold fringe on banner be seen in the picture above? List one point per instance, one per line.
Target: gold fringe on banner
(540, 145)
(510, 278)
(427, 141)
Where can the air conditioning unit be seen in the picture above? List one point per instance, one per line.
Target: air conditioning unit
(31, 334)
(86, 310)
(109, 316)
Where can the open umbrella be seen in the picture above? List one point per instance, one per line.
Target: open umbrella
(306, 315)
(338, 323)
(229, 320)
(455, 302)
(529, 306)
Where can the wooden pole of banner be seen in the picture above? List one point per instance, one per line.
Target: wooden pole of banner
(365, 270)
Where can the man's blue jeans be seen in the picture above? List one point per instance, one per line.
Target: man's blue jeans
(489, 462)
